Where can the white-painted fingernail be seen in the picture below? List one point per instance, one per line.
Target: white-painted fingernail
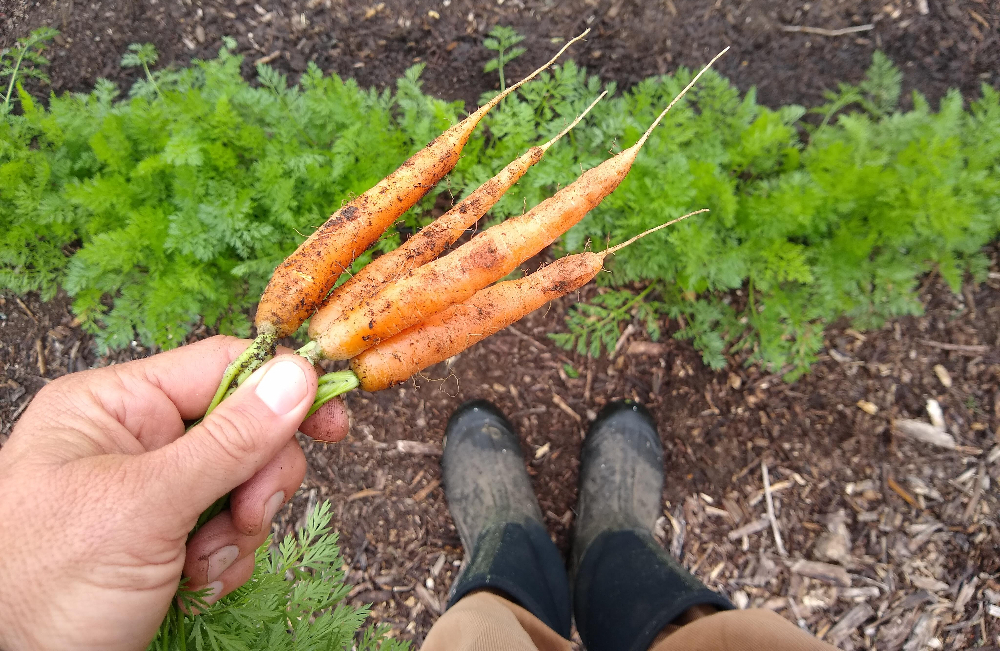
(216, 591)
(271, 508)
(283, 387)
(220, 561)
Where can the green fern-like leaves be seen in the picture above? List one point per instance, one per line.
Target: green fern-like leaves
(293, 602)
(172, 207)
(595, 326)
(20, 62)
(504, 41)
(841, 223)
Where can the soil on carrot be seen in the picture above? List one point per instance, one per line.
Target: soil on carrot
(937, 44)
(910, 528)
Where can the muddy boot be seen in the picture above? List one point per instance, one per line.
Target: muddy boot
(626, 588)
(507, 549)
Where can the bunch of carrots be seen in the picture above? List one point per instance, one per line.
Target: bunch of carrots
(414, 307)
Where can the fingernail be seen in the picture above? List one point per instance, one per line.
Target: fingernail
(283, 387)
(271, 508)
(216, 592)
(220, 561)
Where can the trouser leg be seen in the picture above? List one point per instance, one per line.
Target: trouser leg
(740, 630)
(520, 561)
(483, 621)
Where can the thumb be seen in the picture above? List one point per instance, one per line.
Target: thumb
(237, 439)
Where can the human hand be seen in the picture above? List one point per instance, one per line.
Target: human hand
(99, 491)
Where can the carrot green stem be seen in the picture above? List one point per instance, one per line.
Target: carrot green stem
(332, 385)
(261, 350)
(311, 352)
(182, 634)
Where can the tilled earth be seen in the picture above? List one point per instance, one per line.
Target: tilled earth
(938, 43)
(887, 542)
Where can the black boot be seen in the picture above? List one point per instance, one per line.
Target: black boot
(626, 588)
(507, 548)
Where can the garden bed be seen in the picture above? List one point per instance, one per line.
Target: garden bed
(919, 530)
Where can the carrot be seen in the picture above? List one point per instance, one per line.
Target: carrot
(432, 239)
(488, 257)
(490, 310)
(302, 281)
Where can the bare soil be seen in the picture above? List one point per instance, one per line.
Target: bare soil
(953, 44)
(908, 531)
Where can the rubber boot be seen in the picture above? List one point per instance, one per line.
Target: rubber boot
(626, 588)
(498, 518)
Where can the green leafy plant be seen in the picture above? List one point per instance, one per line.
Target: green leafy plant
(145, 55)
(293, 602)
(596, 325)
(808, 224)
(24, 60)
(171, 207)
(504, 41)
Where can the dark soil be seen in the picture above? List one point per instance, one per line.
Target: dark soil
(955, 44)
(919, 528)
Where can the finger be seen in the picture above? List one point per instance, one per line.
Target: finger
(254, 502)
(144, 400)
(237, 439)
(216, 547)
(189, 375)
(239, 573)
(330, 423)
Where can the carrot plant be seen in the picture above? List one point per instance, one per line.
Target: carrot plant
(23, 61)
(504, 41)
(161, 211)
(812, 218)
(293, 602)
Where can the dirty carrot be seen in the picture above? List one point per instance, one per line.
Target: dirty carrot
(432, 239)
(302, 281)
(489, 256)
(490, 310)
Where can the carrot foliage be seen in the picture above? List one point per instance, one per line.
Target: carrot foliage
(168, 207)
(293, 602)
(171, 205)
(815, 215)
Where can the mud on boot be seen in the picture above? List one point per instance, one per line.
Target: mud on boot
(507, 549)
(626, 588)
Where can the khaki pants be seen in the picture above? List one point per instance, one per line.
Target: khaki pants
(483, 621)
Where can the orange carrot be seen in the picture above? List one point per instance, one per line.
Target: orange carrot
(490, 310)
(489, 256)
(302, 281)
(431, 240)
